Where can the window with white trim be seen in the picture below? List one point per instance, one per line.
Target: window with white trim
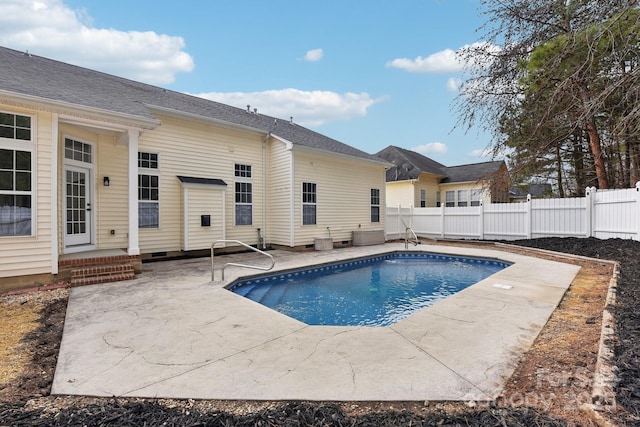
(450, 199)
(15, 126)
(438, 201)
(462, 198)
(148, 190)
(16, 175)
(423, 198)
(476, 197)
(309, 206)
(244, 194)
(375, 205)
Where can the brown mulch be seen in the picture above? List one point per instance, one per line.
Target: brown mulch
(547, 389)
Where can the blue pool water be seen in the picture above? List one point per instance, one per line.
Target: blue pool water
(376, 291)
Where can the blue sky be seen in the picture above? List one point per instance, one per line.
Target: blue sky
(368, 73)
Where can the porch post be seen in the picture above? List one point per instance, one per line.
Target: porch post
(134, 246)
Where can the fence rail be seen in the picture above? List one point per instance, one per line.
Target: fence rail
(601, 213)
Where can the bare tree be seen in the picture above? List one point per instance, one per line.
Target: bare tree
(551, 70)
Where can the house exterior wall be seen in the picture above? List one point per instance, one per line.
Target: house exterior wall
(199, 150)
(469, 187)
(109, 159)
(280, 160)
(31, 255)
(400, 193)
(430, 184)
(343, 195)
(203, 200)
(407, 193)
(112, 163)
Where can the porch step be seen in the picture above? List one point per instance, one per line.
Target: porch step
(91, 275)
(90, 268)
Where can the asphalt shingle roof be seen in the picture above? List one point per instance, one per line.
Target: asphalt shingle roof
(56, 81)
(409, 165)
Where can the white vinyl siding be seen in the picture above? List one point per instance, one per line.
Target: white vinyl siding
(203, 200)
(111, 161)
(279, 230)
(343, 195)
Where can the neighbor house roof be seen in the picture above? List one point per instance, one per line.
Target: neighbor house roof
(472, 172)
(409, 165)
(48, 80)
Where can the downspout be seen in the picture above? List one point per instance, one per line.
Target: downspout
(264, 189)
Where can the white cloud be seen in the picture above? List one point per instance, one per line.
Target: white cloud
(308, 108)
(431, 148)
(454, 84)
(50, 28)
(314, 55)
(445, 61)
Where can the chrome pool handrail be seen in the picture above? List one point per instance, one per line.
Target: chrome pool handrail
(273, 261)
(415, 240)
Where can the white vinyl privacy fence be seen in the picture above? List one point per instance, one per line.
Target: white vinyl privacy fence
(601, 213)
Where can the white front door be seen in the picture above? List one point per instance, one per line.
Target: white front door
(77, 206)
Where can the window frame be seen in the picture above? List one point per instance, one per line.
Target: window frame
(462, 197)
(423, 198)
(309, 204)
(375, 205)
(476, 197)
(17, 145)
(450, 203)
(151, 169)
(243, 177)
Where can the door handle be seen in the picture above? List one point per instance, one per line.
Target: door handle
(88, 207)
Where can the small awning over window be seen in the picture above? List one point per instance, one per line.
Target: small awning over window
(204, 181)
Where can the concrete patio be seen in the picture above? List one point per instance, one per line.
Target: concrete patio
(173, 333)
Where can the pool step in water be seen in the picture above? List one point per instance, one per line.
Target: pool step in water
(258, 291)
(273, 297)
(243, 290)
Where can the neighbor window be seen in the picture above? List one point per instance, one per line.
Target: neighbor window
(244, 194)
(375, 205)
(15, 192)
(16, 174)
(462, 198)
(450, 199)
(476, 197)
(308, 203)
(423, 198)
(148, 191)
(438, 201)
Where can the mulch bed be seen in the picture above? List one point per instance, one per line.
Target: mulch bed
(26, 402)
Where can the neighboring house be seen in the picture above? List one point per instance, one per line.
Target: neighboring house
(536, 191)
(416, 180)
(94, 162)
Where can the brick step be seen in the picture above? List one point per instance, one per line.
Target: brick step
(90, 275)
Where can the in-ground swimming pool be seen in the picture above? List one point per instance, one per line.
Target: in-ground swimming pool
(375, 291)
